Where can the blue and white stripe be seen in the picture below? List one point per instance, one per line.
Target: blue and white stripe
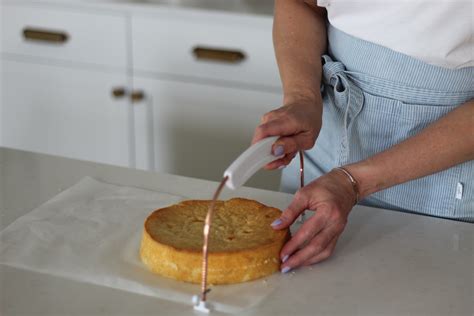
(375, 98)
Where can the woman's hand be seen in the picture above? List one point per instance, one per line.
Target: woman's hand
(297, 123)
(331, 197)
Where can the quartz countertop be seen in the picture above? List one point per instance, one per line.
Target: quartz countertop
(385, 263)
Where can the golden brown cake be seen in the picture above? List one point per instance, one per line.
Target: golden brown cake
(242, 244)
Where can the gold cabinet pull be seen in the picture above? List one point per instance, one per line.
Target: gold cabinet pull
(49, 36)
(118, 92)
(220, 55)
(137, 96)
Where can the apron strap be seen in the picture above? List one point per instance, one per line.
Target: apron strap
(347, 96)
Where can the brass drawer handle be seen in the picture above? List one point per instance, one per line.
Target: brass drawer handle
(35, 34)
(137, 96)
(216, 54)
(119, 92)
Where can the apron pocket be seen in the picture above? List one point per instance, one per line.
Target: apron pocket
(385, 122)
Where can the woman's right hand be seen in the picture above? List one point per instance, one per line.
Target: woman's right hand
(297, 123)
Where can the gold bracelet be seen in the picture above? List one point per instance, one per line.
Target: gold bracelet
(355, 185)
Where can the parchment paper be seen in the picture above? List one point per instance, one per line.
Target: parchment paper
(91, 233)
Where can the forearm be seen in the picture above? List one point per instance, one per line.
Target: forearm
(443, 144)
(299, 37)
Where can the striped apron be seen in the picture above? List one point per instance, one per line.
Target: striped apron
(374, 98)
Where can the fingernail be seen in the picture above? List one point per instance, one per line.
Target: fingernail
(285, 270)
(281, 167)
(276, 222)
(284, 259)
(278, 151)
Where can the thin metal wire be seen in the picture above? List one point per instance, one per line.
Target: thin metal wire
(207, 229)
(208, 222)
(301, 169)
(303, 214)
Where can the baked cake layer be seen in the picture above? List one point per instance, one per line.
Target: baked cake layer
(242, 244)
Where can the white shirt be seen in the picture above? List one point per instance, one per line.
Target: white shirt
(438, 32)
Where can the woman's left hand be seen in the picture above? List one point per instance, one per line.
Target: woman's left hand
(331, 197)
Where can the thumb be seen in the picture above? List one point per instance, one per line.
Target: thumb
(296, 207)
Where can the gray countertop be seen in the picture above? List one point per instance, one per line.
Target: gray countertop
(386, 263)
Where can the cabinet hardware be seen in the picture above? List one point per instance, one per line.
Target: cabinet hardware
(118, 92)
(216, 54)
(137, 96)
(44, 35)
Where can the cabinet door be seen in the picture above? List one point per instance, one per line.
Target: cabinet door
(64, 111)
(197, 130)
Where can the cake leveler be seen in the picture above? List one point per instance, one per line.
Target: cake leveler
(245, 166)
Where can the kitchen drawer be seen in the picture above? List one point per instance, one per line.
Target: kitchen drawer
(223, 47)
(64, 35)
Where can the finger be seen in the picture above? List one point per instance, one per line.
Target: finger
(269, 116)
(273, 114)
(312, 249)
(305, 234)
(297, 205)
(280, 126)
(323, 255)
(301, 141)
(282, 162)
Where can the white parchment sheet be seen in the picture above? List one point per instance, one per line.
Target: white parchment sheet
(91, 232)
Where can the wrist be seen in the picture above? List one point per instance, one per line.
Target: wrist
(353, 182)
(367, 177)
(344, 186)
(307, 96)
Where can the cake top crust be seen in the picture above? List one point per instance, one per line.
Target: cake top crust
(237, 224)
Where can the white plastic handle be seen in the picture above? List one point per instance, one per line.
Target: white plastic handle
(249, 162)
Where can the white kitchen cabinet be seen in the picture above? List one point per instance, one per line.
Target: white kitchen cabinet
(196, 129)
(59, 66)
(65, 111)
(206, 76)
(2, 120)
